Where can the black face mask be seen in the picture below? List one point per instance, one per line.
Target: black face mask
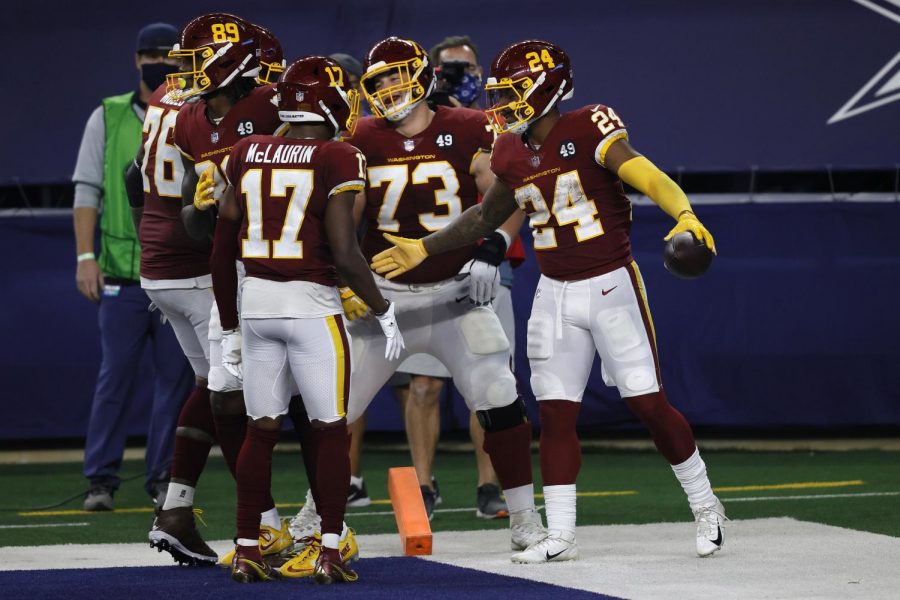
(154, 74)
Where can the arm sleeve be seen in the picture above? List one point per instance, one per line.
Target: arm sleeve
(88, 175)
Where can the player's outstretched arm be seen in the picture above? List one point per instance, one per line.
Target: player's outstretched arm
(475, 223)
(348, 258)
(641, 174)
(200, 224)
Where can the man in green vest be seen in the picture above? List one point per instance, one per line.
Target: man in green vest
(111, 279)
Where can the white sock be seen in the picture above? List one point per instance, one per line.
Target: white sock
(246, 542)
(270, 518)
(560, 505)
(692, 476)
(357, 481)
(330, 540)
(520, 499)
(178, 495)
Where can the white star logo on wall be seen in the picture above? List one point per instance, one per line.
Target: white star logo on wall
(884, 87)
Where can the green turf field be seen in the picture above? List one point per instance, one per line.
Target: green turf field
(619, 486)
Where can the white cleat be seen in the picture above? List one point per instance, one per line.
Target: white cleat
(709, 528)
(306, 522)
(526, 530)
(555, 547)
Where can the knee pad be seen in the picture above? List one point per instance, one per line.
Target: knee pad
(489, 386)
(636, 381)
(483, 332)
(540, 335)
(505, 417)
(547, 385)
(624, 340)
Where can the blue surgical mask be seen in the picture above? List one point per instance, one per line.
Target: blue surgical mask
(468, 90)
(154, 74)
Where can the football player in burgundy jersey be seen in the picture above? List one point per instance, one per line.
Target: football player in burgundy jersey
(296, 230)
(566, 171)
(424, 168)
(207, 43)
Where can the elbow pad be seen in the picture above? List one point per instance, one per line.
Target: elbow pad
(644, 176)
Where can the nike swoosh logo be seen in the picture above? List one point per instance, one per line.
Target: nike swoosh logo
(718, 540)
(605, 292)
(552, 556)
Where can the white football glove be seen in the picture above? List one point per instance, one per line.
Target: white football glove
(484, 281)
(388, 324)
(231, 352)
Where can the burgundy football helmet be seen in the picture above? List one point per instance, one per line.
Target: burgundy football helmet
(527, 80)
(398, 75)
(214, 50)
(315, 89)
(271, 57)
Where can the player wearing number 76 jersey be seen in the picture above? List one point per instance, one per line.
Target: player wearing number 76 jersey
(566, 171)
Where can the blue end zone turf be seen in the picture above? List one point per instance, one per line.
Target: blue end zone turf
(379, 578)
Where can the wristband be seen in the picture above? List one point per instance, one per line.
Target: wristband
(492, 249)
(86, 256)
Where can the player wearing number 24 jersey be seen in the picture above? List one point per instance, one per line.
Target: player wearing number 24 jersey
(566, 172)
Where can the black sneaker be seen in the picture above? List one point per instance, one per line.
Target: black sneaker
(428, 497)
(358, 495)
(437, 492)
(99, 497)
(490, 504)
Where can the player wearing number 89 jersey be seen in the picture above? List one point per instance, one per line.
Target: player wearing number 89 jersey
(566, 171)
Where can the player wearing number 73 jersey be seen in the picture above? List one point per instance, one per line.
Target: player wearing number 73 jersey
(566, 171)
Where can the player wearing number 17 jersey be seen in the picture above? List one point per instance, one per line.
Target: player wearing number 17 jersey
(566, 171)
(295, 223)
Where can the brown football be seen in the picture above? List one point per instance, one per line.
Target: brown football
(687, 257)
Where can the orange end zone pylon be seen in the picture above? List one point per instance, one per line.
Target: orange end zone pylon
(409, 510)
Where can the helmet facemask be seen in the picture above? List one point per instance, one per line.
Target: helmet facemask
(192, 82)
(269, 72)
(395, 100)
(510, 111)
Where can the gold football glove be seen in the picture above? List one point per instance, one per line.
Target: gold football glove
(354, 307)
(688, 221)
(405, 255)
(204, 194)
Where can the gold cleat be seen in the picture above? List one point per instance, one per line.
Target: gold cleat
(247, 570)
(271, 543)
(308, 549)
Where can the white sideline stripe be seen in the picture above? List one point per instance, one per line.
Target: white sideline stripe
(43, 525)
(762, 558)
(810, 497)
(385, 513)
